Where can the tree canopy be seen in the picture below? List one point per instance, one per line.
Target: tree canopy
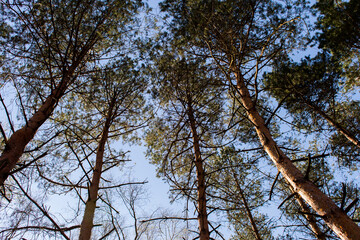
(248, 109)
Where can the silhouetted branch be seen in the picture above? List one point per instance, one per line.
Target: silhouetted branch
(167, 218)
(46, 214)
(286, 199)
(273, 185)
(347, 209)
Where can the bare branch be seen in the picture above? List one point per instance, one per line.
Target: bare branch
(167, 218)
(46, 214)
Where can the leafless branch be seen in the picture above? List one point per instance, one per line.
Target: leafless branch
(46, 214)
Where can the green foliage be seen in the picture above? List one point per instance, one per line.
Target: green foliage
(52, 39)
(238, 190)
(182, 83)
(300, 86)
(234, 33)
(112, 96)
(348, 154)
(85, 43)
(311, 92)
(339, 23)
(193, 67)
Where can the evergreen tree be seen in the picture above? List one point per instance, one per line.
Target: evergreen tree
(51, 44)
(311, 92)
(241, 39)
(339, 25)
(181, 140)
(116, 94)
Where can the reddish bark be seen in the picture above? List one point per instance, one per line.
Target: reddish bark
(88, 218)
(16, 144)
(334, 217)
(200, 174)
(247, 209)
(351, 137)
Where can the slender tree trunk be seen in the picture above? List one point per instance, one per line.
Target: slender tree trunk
(334, 217)
(351, 137)
(15, 146)
(88, 218)
(247, 209)
(200, 174)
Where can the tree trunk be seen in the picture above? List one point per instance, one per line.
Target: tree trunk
(334, 217)
(88, 218)
(351, 137)
(247, 209)
(15, 146)
(200, 174)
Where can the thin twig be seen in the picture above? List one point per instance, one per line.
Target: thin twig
(167, 218)
(42, 210)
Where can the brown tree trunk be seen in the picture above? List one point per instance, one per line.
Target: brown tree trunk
(334, 217)
(200, 174)
(247, 209)
(16, 144)
(351, 137)
(88, 218)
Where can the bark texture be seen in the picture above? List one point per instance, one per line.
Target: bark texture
(200, 175)
(334, 217)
